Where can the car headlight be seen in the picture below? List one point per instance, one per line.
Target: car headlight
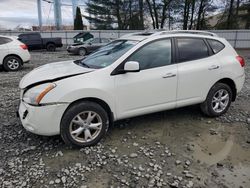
(35, 95)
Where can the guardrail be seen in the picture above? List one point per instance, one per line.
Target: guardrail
(237, 38)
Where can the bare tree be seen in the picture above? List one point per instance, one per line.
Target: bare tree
(158, 12)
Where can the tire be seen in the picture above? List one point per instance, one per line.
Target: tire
(75, 126)
(218, 100)
(12, 63)
(51, 47)
(82, 51)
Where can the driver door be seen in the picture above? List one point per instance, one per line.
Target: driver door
(151, 89)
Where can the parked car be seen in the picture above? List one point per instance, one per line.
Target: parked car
(13, 53)
(82, 37)
(137, 74)
(34, 41)
(88, 46)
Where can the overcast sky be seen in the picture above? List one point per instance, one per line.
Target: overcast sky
(23, 13)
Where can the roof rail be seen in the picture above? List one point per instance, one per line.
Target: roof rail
(150, 33)
(185, 31)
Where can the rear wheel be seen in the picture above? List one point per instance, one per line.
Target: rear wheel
(82, 52)
(218, 100)
(84, 124)
(12, 63)
(51, 47)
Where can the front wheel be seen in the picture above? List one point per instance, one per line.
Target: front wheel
(84, 124)
(218, 100)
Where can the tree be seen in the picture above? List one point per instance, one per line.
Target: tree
(78, 24)
(158, 12)
(120, 14)
(230, 20)
(99, 14)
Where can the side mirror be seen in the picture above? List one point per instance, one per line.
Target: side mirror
(131, 66)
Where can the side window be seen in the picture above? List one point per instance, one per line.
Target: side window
(33, 36)
(23, 37)
(96, 40)
(215, 45)
(191, 49)
(4, 40)
(155, 54)
(105, 40)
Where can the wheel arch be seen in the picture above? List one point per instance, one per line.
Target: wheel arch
(15, 55)
(50, 43)
(231, 84)
(101, 102)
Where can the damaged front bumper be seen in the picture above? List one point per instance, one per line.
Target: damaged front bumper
(42, 120)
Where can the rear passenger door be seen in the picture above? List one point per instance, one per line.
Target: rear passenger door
(198, 70)
(3, 48)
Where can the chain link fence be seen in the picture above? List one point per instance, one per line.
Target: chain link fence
(238, 38)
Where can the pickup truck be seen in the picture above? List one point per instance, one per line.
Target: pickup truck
(34, 41)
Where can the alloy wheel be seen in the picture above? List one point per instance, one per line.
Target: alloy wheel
(85, 126)
(13, 64)
(220, 100)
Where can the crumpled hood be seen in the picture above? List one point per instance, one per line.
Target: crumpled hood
(52, 71)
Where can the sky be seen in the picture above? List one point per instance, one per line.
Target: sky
(23, 13)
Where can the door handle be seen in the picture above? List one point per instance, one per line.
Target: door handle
(213, 67)
(169, 75)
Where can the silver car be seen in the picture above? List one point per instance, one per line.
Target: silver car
(87, 46)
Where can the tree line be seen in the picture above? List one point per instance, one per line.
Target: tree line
(168, 14)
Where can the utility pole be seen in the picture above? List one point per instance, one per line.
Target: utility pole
(39, 9)
(57, 14)
(74, 5)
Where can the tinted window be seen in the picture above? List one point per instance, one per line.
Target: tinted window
(105, 41)
(4, 40)
(191, 49)
(96, 40)
(34, 36)
(155, 54)
(215, 45)
(23, 37)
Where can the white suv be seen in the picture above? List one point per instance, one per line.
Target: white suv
(13, 53)
(137, 74)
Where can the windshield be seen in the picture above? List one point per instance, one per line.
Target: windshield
(108, 54)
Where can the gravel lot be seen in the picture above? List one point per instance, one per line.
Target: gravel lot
(177, 148)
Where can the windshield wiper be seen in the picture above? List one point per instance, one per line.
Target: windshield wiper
(84, 64)
(80, 62)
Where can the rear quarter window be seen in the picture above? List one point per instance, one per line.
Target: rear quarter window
(4, 40)
(215, 45)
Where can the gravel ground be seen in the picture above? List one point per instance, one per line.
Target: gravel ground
(176, 148)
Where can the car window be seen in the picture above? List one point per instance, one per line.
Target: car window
(96, 40)
(108, 54)
(4, 40)
(155, 54)
(33, 36)
(105, 40)
(23, 37)
(191, 49)
(215, 45)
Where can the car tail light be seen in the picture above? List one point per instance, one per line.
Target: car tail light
(241, 61)
(23, 46)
